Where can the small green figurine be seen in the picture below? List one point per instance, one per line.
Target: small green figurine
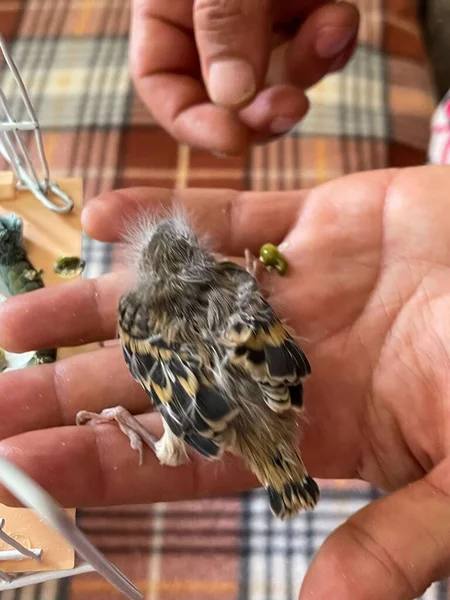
(271, 257)
(69, 266)
(16, 271)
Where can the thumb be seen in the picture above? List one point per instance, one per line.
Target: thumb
(233, 43)
(393, 548)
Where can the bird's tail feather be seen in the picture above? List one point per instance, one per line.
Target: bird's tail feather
(289, 486)
(293, 497)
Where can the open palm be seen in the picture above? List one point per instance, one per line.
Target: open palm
(368, 295)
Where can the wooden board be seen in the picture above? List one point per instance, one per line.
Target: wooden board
(47, 236)
(25, 526)
(6, 185)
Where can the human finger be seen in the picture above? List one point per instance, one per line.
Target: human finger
(51, 395)
(95, 466)
(181, 106)
(275, 111)
(233, 220)
(233, 44)
(170, 83)
(393, 548)
(324, 42)
(72, 314)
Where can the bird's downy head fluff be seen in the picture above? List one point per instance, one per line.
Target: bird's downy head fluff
(167, 248)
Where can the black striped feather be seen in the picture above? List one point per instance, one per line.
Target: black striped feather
(266, 351)
(195, 410)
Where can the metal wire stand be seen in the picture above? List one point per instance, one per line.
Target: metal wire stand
(14, 149)
(31, 495)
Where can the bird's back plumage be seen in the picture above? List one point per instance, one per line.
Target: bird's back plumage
(218, 364)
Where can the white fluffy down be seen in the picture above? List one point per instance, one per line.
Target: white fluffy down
(140, 228)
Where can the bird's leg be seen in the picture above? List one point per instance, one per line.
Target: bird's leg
(131, 427)
(252, 264)
(170, 449)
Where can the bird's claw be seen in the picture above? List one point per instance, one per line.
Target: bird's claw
(131, 427)
(252, 264)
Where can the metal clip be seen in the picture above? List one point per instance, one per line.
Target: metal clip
(20, 159)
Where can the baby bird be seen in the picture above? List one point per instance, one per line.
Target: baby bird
(215, 361)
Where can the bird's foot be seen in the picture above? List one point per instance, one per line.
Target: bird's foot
(131, 427)
(252, 264)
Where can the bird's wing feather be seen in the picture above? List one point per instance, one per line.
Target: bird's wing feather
(193, 408)
(262, 346)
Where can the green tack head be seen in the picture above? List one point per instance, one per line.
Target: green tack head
(269, 254)
(271, 257)
(282, 265)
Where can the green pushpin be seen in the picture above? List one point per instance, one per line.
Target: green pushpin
(272, 258)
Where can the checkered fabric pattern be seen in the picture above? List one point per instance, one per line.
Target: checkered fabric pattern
(73, 58)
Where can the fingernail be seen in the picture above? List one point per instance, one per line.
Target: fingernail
(332, 40)
(282, 124)
(231, 82)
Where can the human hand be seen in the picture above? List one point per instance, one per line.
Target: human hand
(367, 291)
(283, 46)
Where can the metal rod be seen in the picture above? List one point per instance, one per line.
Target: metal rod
(43, 576)
(5, 577)
(18, 555)
(22, 125)
(30, 494)
(12, 66)
(29, 184)
(9, 153)
(27, 157)
(18, 546)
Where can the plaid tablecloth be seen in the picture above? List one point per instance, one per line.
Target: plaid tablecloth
(73, 58)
